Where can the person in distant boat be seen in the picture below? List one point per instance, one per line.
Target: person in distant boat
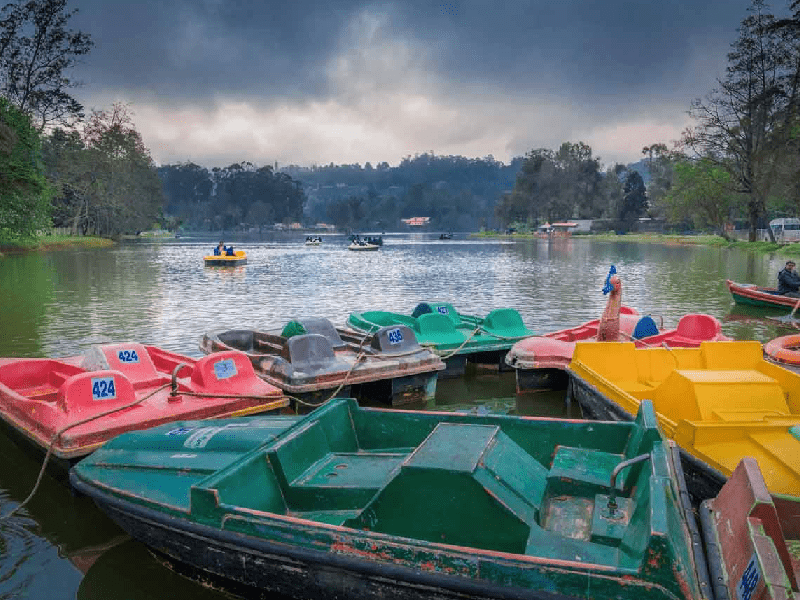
(789, 281)
(218, 251)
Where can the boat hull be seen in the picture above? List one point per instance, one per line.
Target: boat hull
(350, 502)
(248, 566)
(239, 259)
(752, 295)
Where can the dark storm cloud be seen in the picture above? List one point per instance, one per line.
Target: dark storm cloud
(351, 81)
(194, 49)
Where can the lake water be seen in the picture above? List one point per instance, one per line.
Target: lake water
(61, 303)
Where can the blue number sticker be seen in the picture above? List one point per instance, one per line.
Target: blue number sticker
(225, 369)
(749, 581)
(395, 336)
(128, 356)
(103, 388)
(442, 309)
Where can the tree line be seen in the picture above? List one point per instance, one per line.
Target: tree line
(452, 191)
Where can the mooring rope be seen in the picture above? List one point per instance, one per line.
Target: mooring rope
(58, 434)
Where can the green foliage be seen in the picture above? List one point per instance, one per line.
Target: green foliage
(240, 194)
(36, 52)
(702, 193)
(107, 183)
(634, 200)
(24, 193)
(554, 186)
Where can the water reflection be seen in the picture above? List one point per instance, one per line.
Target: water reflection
(61, 303)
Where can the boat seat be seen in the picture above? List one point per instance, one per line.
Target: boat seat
(323, 327)
(590, 470)
(129, 358)
(312, 475)
(440, 308)
(701, 394)
(699, 326)
(504, 323)
(582, 471)
(438, 328)
(487, 454)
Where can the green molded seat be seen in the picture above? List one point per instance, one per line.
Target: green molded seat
(505, 323)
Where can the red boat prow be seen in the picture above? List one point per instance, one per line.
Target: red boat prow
(752, 537)
(121, 387)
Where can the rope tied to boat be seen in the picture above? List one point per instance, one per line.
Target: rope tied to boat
(360, 356)
(61, 431)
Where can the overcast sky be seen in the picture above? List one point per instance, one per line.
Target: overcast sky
(345, 81)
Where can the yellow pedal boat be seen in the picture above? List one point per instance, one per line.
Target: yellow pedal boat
(238, 258)
(719, 402)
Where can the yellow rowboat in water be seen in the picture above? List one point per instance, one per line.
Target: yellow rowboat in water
(719, 402)
(239, 258)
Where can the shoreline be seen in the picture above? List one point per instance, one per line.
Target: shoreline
(665, 239)
(54, 242)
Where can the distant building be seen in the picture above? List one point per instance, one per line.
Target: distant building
(416, 221)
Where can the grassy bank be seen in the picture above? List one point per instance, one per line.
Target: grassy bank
(671, 239)
(54, 242)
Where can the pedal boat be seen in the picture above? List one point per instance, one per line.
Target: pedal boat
(456, 337)
(719, 402)
(362, 246)
(239, 258)
(78, 403)
(541, 362)
(310, 360)
(752, 538)
(359, 502)
(755, 295)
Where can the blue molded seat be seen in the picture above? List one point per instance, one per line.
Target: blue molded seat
(645, 327)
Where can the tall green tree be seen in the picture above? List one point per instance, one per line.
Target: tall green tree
(24, 193)
(742, 125)
(634, 200)
(37, 51)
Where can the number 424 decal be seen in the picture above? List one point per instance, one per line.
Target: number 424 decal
(103, 388)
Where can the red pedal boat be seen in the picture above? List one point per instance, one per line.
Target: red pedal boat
(541, 361)
(78, 403)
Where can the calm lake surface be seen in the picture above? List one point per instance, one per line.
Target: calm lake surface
(158, 292)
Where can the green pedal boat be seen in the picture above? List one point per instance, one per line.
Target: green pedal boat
(358, 502)
(454, 336)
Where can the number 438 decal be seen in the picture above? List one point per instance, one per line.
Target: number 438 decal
(103, 388)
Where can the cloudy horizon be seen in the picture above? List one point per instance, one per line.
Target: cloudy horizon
(352, 81)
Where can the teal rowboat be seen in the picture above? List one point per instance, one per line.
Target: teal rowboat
(455, 337)
(358, 502)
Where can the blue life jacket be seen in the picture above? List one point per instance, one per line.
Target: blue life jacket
(216, 251)
(229, 251)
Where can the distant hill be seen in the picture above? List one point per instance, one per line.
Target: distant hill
(641, 168)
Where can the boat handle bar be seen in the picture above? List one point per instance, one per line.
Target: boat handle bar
(612, 494)
(177, 368)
